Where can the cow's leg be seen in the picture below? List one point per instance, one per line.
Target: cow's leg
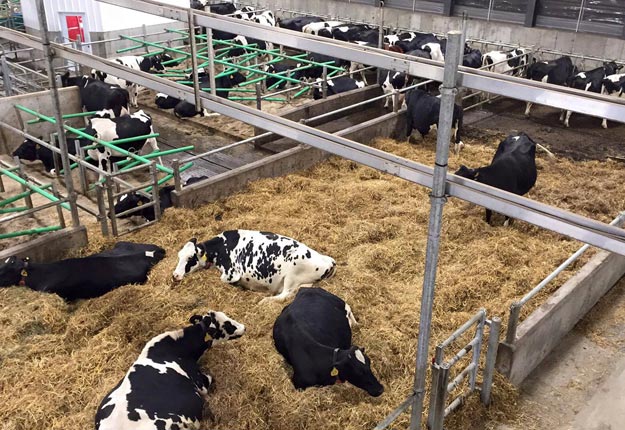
(489, 214)
(351, 319)
(604, 123)
(528, 106)
(566, 119)
(154, 146)
(289, 289)
(364, 78)
(508, 221)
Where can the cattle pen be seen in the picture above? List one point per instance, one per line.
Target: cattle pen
(354, 207)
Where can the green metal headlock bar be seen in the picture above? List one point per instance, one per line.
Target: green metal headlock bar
(102, 142)
(35, 188)
(13, 210)
(170, 176)
(31, 231)
(67, 116)
(271, 99)
(126, 164)
(21, 195)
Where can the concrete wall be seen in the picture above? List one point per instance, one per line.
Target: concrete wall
(542, 330)
(42, 103)
(562, 40)
(52, 246)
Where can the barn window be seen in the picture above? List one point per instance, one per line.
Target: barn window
(606, 11)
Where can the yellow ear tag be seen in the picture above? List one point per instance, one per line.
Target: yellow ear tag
(208, 338)
(139, 203)
(334, 372)
(24, 273)
(203, 258)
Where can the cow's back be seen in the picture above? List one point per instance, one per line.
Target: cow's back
(322, 315)
(513, 168)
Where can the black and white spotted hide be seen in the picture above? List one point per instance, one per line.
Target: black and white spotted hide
(259, 261)
(165, 387)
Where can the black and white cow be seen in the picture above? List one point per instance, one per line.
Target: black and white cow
(314, 336)
(282, 69)
(613, 85)
(144, 64)
(87, 277)
(512, 169)
(111, 129)
(392, 81)
(298, 23)
(315, 27)
(472, 59)
(96, 95)
(265, 18)
(423, 112)
(557, 72)
(185, 109)
(245, 45)
(133, 200)
(132, 88)
(165, 387)
(32, 151)
(515, 58)
(164, 101)
(591, 81)
(314, 72)
(337, 86)
(257, 260)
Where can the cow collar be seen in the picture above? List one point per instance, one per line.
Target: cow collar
(335, 371)
(24, 274)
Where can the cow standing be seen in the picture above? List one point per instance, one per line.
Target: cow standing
(423, 112)
(132, 88)
(591, 81)
(337, 86)
(96, 95)
(557, 72)
(165, 387)
(185, 109)
(506, 62)
(259, 261)
(391, 81)
(613, 85)
(87, 277)
(314, 336)
(298, 23)
(512, 169)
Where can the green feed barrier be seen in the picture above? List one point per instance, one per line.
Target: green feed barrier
(31, 231)
(271, 99)
(20, 196)
(13, 210)
(37, 189)
(127, 164)
(169, 177)
(67, 116)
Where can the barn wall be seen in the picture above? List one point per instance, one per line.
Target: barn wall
(562, 40)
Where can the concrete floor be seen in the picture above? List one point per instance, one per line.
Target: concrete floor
(581, 384)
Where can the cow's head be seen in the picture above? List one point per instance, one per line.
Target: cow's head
(190, 258)
(465, 172)
(237, 78)
(353, 365)
(129, 201)
(26, 151)
(611, 68)
(218, 327)
(155, 62)
(10, 271)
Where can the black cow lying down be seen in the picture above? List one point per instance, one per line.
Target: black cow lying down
(314, 335)
(134, 200)
(165, 388)
(513, 168)
(87, 277)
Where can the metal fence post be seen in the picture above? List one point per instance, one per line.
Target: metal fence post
(211, 60)
(491, 356)
(380, 35)
(324, 82)
(56, 105)
(479, 334)
(513, 322)
(59, 209)
(20, 171)
(99, 190)
(437, 412)
(111, 202)
(175, 166)
(196, 82)
(437, 198)
(81, 169)
(155, 193)
(6, 77)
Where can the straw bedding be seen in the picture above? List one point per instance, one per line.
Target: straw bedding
(58, 360)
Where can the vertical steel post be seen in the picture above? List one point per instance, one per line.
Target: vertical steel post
(258, 96)
(145, 37)
(464, 38)
(491, 356)
(437, 198)
(59, 209)
(155, 193)
(324, 82)
(99, 190)
(20, 171)
(211, 60)
(490, 8)
(479, 334)
(6, 77)
(380, 35)
(56, 106)
(55, 155)
(513, 322)
(437, 412)
(175, 166)
(78, 43)
(581, 15)
(111, 201)
(81, 169)
(434, 389)
(196, 82)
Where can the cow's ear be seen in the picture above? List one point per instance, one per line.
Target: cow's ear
(195, 319)
(193, 240)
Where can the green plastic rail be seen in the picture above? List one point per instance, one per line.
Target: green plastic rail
(21, 196)
(127, 164)
(67, 116)
(31, 231)
(35, 188)
(13, 210)
(102, 142)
